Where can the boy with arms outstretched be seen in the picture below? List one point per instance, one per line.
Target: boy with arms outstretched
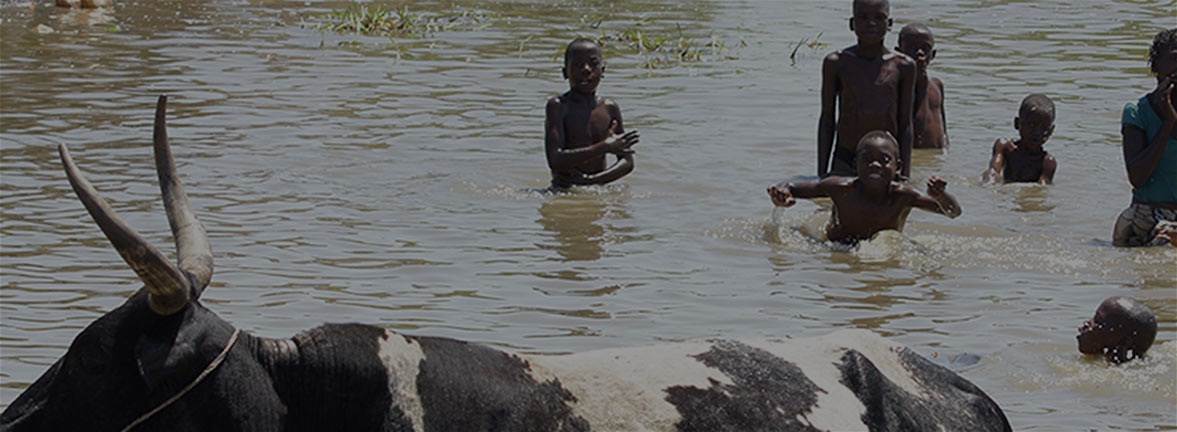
(1024, 159)
(581, 128)
(871, 87)
(873, 201)
(929, 125)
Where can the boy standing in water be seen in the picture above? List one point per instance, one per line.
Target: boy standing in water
(581, 128)
(872, 88)
(873, 201)
(929, 126)
(1122, 329)
(1024, 160)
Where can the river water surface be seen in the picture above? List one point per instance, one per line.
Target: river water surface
(392, 181)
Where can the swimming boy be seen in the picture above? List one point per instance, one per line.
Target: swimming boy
(929, 126)
(1122, 329)
(872, 88)
(873, 201)
(1149, 131)
(581, 128)
(1024, 159)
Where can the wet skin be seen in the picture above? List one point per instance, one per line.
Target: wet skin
(1024, 160)
(872, 88)
(929, 123)
(871, 202)
(581, 128)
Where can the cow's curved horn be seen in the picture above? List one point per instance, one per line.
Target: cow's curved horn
(167, 285)
(192, 246)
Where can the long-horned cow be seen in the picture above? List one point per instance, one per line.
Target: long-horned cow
(162, 361)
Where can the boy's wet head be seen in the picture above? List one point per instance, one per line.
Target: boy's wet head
(1122, 329)
(917, 42)
(1035, 120)
(583, 65)
(877, 156)
(1162, 55)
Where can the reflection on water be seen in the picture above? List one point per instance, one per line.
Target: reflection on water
(574, 222)
(358, 178)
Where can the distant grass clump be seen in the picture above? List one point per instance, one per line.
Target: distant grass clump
(377, 19)
(663, 48)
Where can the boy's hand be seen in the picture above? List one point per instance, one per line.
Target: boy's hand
(620, 144)
(781, 195)
(936, 185)
(1167, 233)
(1162, 98)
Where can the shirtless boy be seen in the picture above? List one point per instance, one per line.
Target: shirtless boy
(929, 126)
(1122, 329)
(873, 201)
(580, 128)
(1024, 159)
(871, 86)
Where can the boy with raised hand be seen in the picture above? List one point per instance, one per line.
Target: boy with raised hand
(872, 201)
(872, 89)
(580, 128)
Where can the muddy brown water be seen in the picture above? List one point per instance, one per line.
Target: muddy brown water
(391, 181)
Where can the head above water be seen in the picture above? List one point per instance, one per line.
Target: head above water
(583, 65)
(1035, 120)
(1122, 329)
(914, 30)
(871, 21)
(881, 147)
(1162, 55)
(917, 42)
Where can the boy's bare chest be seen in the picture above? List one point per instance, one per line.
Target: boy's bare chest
(857, 213)
(584, 126)
(1022, 166)
(870, 76)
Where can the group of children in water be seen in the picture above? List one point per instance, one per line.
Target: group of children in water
(876, 104)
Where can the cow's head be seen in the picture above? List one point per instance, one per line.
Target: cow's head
(137, 356)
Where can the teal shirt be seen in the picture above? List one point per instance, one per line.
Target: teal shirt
(1162, 184)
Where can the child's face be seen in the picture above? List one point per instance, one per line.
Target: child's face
(583, 68)
(919, 46)
(1166, 62)
(877, 161)
(1104, 334)
(871, 21)
(1035, 127)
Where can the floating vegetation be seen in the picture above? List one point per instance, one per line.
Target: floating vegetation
(813, 45)
(375, 19)
(662, 48)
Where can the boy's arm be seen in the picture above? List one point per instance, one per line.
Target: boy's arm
(907, 70)
(937, 199)
(1049, 165)
(561, 158)
(827, 123)
(785, 193)
(997, 161)
(943, 115)
(624, 164)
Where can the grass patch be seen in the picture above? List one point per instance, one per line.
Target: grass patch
(812, 44)
(375, 19)
(660, 48)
